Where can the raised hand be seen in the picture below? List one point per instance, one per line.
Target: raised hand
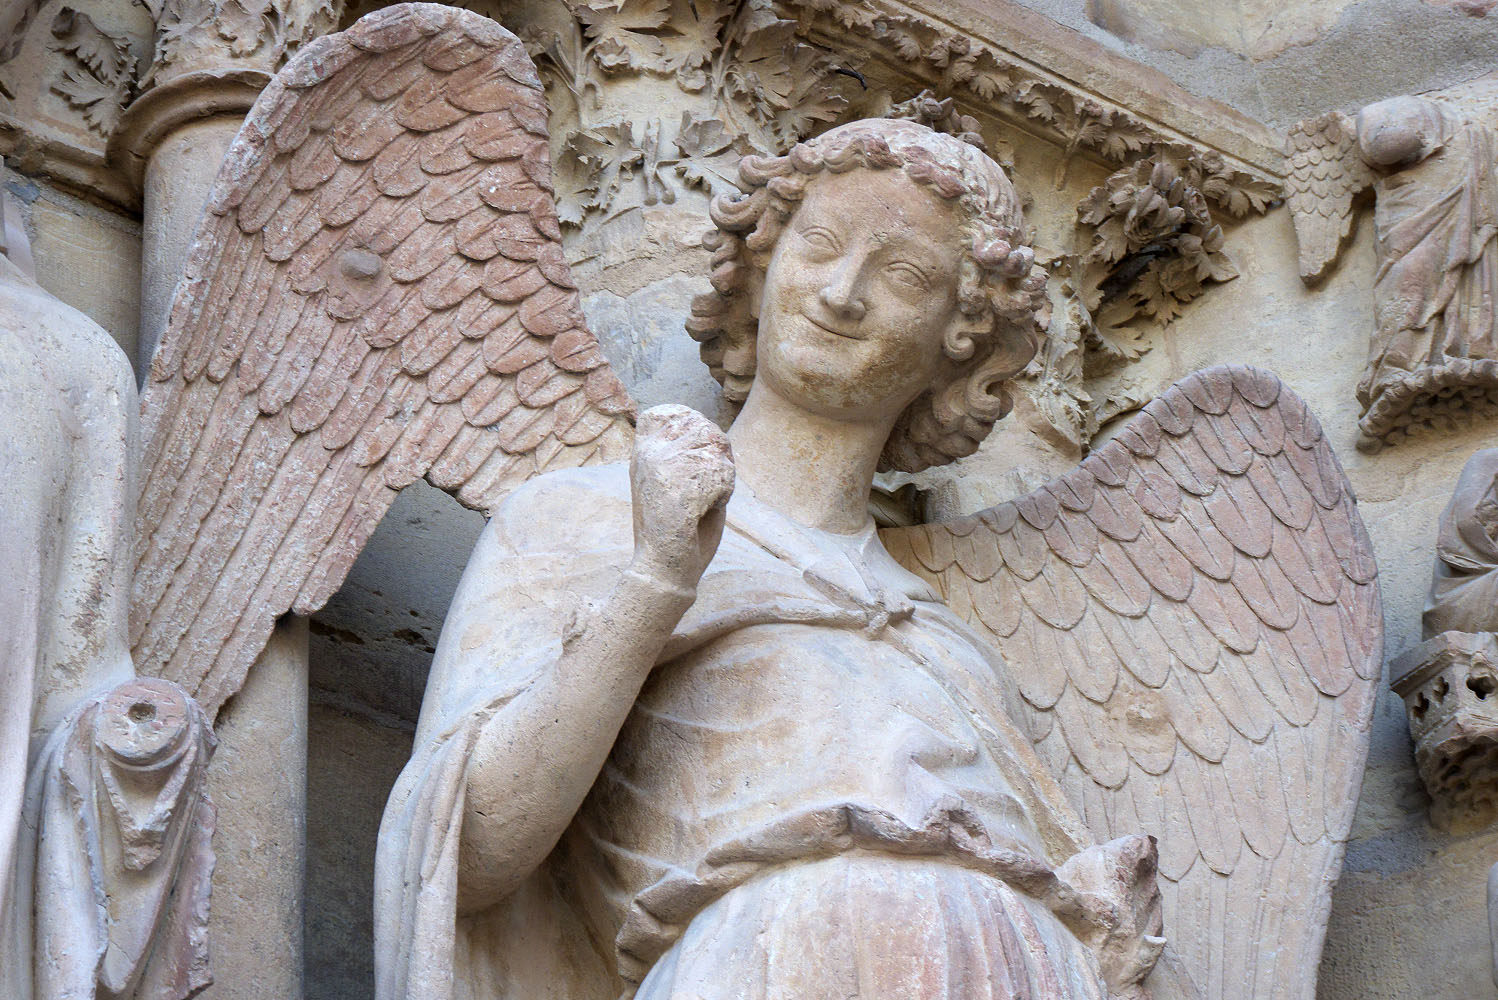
(681, 476)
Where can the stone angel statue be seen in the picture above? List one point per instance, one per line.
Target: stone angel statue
(694, 728)
(1435, 350)
(105, 825)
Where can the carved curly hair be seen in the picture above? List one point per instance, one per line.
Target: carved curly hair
(998, 278)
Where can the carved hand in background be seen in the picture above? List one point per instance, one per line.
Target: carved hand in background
(681, 476)
(1120, 890)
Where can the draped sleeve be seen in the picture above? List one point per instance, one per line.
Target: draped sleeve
(553, 549)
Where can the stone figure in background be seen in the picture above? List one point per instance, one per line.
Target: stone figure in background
(1446, 681)
(1464, 586)
(105, 829)
(691, 723)
(1434, 353)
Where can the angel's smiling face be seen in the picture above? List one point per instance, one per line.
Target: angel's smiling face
(859, 294)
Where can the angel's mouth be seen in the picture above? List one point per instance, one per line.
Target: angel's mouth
(825, 328)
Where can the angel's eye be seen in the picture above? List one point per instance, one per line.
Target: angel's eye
(820, 239)
(907, 275)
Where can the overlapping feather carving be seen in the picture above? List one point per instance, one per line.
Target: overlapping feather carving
(1192, 629)
(1324, 174)
(377, 293)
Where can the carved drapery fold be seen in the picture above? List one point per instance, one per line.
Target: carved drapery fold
(117, 853)
(1449, 682)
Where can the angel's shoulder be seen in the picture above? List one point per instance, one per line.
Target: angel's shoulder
(78, 355)
(582, 509)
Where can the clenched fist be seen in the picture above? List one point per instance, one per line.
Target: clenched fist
(681, 477)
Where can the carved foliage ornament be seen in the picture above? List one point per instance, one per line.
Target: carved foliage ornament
(957, 65)
(762, 89)
(101, 71)
(212, 34)
(1151, 246)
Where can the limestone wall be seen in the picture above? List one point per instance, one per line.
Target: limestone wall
(1284, 60)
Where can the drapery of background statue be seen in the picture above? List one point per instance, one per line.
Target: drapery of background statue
(1188, 622)
(105, 827)
(1434, 353)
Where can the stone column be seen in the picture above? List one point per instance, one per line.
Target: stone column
(258, 781)
(211, 59)
(177, 177)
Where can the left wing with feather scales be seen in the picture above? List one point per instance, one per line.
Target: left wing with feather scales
(1193, 635)
(377, 293)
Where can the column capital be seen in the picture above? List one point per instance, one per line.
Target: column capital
(210, 57)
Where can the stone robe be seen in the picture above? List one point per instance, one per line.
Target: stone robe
(816, 706)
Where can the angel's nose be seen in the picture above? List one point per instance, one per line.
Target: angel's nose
(841, 297)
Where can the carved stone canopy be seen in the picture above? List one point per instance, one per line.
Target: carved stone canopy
(1450, 688)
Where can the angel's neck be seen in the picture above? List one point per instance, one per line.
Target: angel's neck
(814, 469)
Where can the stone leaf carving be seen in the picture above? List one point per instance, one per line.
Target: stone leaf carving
(1154, 248)
(941, 115)
(377, 293)
(195, 35)
(1195, 626)
(1151, 246)
(955, 64)
(102, 70)
(1434, 353)
(767, 87)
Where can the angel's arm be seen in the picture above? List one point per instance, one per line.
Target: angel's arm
(538, 755)
(89, 612)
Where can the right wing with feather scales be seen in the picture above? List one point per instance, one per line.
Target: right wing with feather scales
(1324, 174)
(377, 293)
(1193, 635)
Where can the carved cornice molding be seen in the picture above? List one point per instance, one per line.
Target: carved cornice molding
(762, 74)
(1007, 62)
(73, 165)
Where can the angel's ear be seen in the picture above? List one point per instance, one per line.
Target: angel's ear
(1012, 351)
